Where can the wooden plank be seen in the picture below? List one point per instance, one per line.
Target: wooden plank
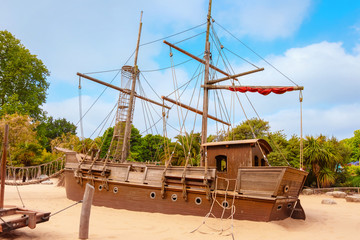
(127, 174)
(258, 181)
(145, 173)
(279, 182)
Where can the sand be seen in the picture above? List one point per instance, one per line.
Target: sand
(340, 221)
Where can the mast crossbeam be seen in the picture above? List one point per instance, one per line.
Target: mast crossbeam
(194, 110)
(123, 90)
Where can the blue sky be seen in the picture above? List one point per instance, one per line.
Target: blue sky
(314, 42)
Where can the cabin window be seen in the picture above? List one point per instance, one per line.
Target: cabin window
(263, 162)
(256, 161)
(221, 163)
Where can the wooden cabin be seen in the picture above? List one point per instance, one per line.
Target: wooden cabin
(228, 156)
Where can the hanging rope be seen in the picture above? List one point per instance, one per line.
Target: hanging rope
(80, 111)
(301, 133)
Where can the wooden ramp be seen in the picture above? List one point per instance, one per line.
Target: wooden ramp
(15, 217)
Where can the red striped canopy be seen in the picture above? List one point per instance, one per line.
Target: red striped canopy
(263, 91)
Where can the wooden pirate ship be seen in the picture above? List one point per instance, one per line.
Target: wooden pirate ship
(233, 174)
(12, 217)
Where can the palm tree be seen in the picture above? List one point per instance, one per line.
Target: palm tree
(188, 143)
(317, 153)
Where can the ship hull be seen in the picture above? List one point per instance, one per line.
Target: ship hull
(149, 198)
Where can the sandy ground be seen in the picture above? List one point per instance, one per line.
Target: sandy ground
(340, 221)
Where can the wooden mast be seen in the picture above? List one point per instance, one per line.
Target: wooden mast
(127, 133)
(206, 91)
(3, 166)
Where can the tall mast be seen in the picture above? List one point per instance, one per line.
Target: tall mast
(127, 133)
(3, 166)
(206, 90)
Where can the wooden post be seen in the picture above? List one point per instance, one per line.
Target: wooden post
(206, 90)
(127, 133)
(85, 212)
(3, 166)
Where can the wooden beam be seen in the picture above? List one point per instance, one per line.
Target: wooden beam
(193, 109)
(126, 91)
(296, 88)
(235, 76)
(196, 58)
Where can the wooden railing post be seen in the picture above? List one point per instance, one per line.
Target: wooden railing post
(85, 212)
(3, 166)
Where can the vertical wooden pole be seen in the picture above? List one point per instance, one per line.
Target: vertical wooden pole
(3, 166)
(127, 132)
(85, 212)
(206, 90)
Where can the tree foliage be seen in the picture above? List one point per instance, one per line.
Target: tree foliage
(51, 128)
(187, 146)
(24, 148)
(23, 76)
(354, 144)
(252, 128)
(66, 140)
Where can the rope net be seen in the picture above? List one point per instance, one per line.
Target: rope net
(34, 174)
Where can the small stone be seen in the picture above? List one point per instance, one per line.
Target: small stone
(328, 201)
(308, 191)
(353, 198)
(329, 193)
(338, 194)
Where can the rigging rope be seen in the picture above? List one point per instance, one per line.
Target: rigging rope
(257, 54)
(185, 39)
(301, 133)
(80, 111)
(233, 82)
(160, 39)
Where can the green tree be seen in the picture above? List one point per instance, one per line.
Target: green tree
(152, 148)
(354, 143)
(318, 154)
(246, 128)
(135, 145)
(24, 149)
(188, 143)
(21, 130)
(50, 129)
(27, 154)
(279, 144)
(23, 76)
(105, 141)
(66, 140)
(293, 150)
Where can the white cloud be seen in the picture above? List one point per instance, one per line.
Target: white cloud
(264, 19)
(339, 121)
